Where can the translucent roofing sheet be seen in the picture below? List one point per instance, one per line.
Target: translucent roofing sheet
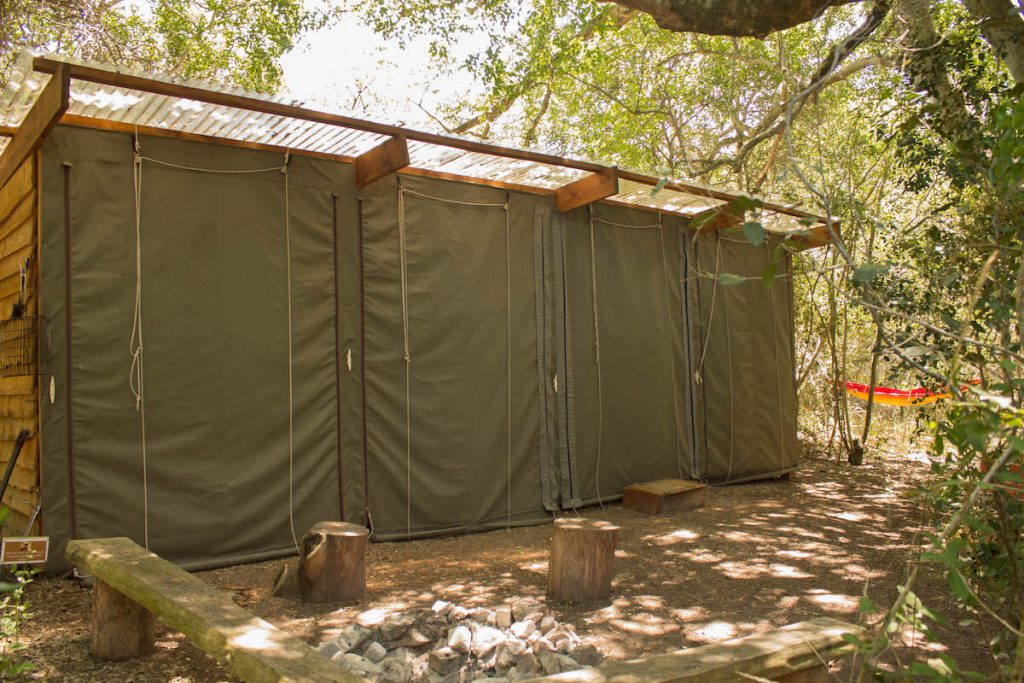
(150, 110)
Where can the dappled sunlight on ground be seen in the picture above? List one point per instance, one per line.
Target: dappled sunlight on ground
(755, 557)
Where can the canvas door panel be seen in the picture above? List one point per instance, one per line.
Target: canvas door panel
(454, 472)
(747, 370)
(214, 310)
(637, 413)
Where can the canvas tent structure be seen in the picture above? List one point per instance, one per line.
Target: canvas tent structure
(247, 317)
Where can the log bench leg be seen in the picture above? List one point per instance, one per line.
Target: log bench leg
(121, 629)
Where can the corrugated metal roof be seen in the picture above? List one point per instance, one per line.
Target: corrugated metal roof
(146, 109)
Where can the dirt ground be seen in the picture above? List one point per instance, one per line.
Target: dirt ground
(755, 557)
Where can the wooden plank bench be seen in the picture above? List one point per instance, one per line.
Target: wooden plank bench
(132, 585)
(797, 653)
(664, 495)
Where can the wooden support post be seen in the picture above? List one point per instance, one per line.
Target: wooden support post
(587, 190)
(40, 120)
(386, 158)
(715, 218)
(332, 564)
(582, 560)
(121, 628)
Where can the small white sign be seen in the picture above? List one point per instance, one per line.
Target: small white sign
(24, 550)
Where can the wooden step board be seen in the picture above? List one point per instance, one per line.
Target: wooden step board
(797, 652)
(664, 495)
(251, 648)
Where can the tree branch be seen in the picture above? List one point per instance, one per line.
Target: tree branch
(740, 18)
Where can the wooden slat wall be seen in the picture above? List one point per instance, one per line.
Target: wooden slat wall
(19, 407)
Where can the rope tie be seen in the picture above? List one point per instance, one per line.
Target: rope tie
(698, 376)
(778, 377)
(728, 350)
(291, 391)
(508, 365)
(671, 350)
(136, 376)
(404, 278)
(597, 357)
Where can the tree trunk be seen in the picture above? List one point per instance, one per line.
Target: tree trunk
(122, 628)
(332, 564)
(582, 559)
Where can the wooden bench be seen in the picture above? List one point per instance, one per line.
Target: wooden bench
(132, 585)
(797, 653)
(664, 495)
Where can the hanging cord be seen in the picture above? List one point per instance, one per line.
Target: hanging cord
(597, 357)
(778, 378)
(671, 349)
(291, 383)
(408, 359)
(136, 379)
(728, 351)
(508, 367)
(698, 376)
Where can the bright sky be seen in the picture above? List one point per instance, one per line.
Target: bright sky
(346, 67)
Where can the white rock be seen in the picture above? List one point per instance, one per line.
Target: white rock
(481, 615)
(375, 652)
(485, 639)
(504, 659)
(549, 663)
(356, 663)
(460, 639)
(503, 617)
(528, 664)
(329, 648)
(563, 646)
(567, 663)
(442, 607)
(516, 646)
(543, 645)
(522, 629)
(396, 670)
(355, 635)
(395, 627)
(547, 624)
(458, 613)
(522, 608)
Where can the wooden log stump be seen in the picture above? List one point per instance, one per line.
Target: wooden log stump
(332, 564)
(582, 559)
(122, 628)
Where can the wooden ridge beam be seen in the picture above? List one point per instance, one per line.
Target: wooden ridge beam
(386, 158)
(8, 131)
(716, 218)
(587, 190)
(40, 120)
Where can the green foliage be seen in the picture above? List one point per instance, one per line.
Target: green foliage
(13, 613)
(237, 43)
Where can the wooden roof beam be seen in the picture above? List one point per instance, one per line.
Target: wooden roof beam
(129, 81)
(40, 120)
(587, 190)
(386, 158)
(716, 218)
(8, 131)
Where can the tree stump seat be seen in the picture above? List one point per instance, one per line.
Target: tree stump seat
(332, 563)
(582, 559)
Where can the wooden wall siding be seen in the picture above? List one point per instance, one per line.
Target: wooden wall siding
(19, 406)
